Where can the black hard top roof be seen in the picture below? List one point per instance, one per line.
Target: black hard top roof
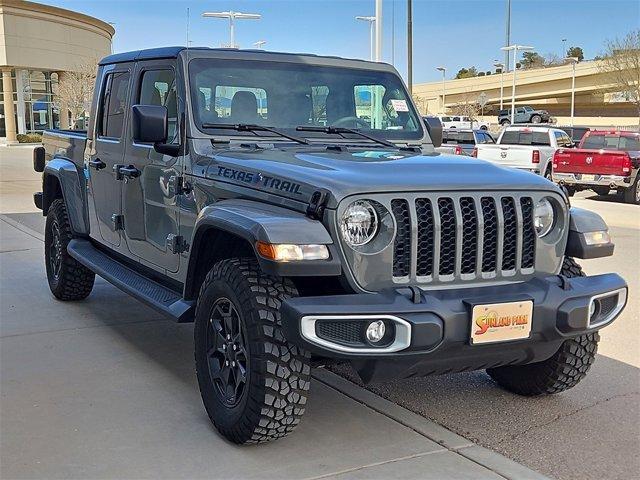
(173, 52)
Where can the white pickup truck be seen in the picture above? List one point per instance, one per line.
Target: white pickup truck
(528, 148)
(461, 121)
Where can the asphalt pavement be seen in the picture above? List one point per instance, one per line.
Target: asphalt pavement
(105, 388)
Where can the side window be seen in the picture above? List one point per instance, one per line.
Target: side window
(519, 110)
(158, 87)
(114, 104)
(488, 138)
(456, 119)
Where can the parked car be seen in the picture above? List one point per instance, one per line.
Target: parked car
(462, 141)
(523, 115)
(292, 242)
(575, 133)
(528, 148)
(461, 121)
(604, 161)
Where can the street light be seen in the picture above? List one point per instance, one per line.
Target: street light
(515, 49)
(499, 65)
(444, 71)
(564, 48)
(233, 16)
(573, 61)
(259, 44)
(372, 41)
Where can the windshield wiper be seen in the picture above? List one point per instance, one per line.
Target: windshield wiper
(247, 127)
(343, 130)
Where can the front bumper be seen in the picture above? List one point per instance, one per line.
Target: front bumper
(435, 326)
(577, 179)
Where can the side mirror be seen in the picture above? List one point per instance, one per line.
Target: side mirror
(149, 123)
(434, 128)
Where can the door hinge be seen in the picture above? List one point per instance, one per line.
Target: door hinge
(117, 222)
(176, 243)
(180, 186)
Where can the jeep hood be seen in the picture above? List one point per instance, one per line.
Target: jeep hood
(298, 172)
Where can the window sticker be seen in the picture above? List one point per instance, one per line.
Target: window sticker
(400, 105)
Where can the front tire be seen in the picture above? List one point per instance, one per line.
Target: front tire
(536, 119)
(253, 382)
(564, 370)
(68, 279)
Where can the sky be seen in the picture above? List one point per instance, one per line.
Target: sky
(449, 33)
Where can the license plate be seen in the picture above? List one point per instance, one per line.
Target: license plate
(501, 322)
(588, 178)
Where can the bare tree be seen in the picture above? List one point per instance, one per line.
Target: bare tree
(75, 90)
(621, 65)
(468, 107)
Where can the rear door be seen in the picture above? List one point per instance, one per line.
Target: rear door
(149, 201)
(106, 154)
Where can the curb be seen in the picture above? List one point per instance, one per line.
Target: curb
(482, 456)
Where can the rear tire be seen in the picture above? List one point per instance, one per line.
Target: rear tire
(505, 123)
(68, 279)
(238, 334)
(632, 194)
(564, 370)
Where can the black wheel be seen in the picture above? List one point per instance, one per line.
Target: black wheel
(484, 127)
(564, 370)
(548, 174)
(505, 123)
(68, 279)
(632, 194)
(570, 191)
(602, 191)
(536, 119)
(253, 382)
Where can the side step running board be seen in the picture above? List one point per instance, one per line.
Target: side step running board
(161, 298)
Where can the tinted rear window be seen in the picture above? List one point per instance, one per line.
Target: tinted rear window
(458, 137)
(515, 137)
(612, 142)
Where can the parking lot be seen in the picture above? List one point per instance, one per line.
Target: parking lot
(105, 388)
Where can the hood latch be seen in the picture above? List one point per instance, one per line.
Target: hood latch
(317, 203)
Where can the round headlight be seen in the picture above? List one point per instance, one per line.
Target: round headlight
(359, 223)
(543, 217)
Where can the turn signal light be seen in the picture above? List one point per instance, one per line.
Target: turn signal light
(283, 252)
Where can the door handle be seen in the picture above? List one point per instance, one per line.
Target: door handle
(128, 172)
(97, 164)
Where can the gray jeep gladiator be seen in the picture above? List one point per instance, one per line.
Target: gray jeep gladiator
(293, 206)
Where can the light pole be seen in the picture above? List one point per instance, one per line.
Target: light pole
(378, 30)
(259, 44)
(564, 48)
(501, 67)
(372, 41)
(508, 34)
(444, 92)
(233, 16)
(410, 45)
(515, 49)
(573, 61)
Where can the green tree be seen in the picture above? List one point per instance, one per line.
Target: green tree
(576, 52)
(532, 60)
(467, 72)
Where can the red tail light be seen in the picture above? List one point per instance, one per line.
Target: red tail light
(458, 150)
(626, 164)
(535, 156)
(474, 153)
(555, 158)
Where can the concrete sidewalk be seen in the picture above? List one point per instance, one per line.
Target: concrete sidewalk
(105, 388)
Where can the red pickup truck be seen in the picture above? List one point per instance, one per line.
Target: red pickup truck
(604, 161)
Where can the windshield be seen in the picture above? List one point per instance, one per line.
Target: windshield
(612, 142)
(288, 95)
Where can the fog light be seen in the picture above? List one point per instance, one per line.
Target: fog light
(375, 331)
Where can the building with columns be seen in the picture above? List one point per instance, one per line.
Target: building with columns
(38, 45)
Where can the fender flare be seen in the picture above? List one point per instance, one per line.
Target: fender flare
(73, 187)
(583, 221)
(254, 222)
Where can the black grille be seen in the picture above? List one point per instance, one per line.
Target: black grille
(607, 305)
(528, 233)
(402, 242)
(424, 213)
(490, 245)
(510, 234)
(447, 236)
(454, 226)
(343, 332)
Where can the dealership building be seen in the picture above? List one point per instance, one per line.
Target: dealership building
(39, 45)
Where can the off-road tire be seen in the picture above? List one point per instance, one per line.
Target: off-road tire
(564, 370)
(632, 194)
(274, 397)
(536, 119)
(505, 123)
(70, 280)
